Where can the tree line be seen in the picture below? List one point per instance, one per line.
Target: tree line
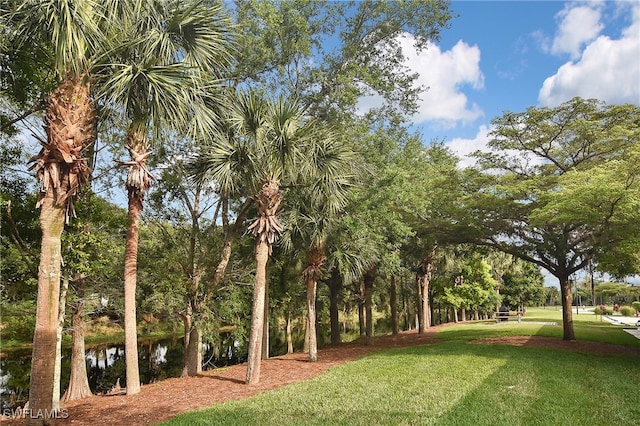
(245, 141)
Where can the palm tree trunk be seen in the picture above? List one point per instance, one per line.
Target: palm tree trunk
(138, 182)
(311, 312)
(70, 128)
(393, 296)
(335, 285)
(61, 315)
(265, 329)
(369, 278)
(305, 345)
(257, 319)
(289, 334)
(130, 282)
(44, 339)
(266, 229)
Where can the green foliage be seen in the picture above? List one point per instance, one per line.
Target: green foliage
(562, 184)
(523, 286)
(636, 305)
(627, 311)
(18, 320)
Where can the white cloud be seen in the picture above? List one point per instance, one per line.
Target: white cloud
(463, 147)
(608, 69)
(578, 26)
(445, 73)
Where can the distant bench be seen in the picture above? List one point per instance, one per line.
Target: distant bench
(504, 315)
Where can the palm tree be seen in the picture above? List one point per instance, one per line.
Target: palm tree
(73, 37)
(161, 83)
(274, 146)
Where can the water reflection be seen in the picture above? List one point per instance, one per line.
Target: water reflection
(157, 360)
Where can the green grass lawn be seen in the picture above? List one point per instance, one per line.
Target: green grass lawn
(456, 383)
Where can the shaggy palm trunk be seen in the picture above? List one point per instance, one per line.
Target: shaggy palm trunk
(70, 128)
(78, 380)
(266, 229)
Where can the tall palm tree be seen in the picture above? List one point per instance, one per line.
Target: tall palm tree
(73, 37)
(161, 83)
(274, 146)
(313, 215)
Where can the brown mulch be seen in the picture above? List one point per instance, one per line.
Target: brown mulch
(162, 400)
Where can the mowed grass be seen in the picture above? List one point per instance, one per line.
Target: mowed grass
(453, 383)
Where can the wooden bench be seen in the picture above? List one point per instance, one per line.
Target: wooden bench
(505, 316)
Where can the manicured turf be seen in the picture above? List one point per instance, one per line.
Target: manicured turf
(455, 383)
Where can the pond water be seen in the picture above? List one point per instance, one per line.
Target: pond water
(157, 360)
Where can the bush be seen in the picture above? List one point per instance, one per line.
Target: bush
(627, 311)
(636, 305)
(603, 310)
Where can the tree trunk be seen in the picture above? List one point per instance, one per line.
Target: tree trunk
(78, 381)
(361, 313)
(257, 319)
(130, 282)
(369, 278)
(48, 299)
(426, 310)
(393, 296)
(425, 272)
(335, 285)
(567, 314)
(70, 127)
(305, 345)
(463, 314)
(265, 328)
(61, 314)
(419, 310)
(193, 353)
(186, 320)
(289, 334)
(311, 318)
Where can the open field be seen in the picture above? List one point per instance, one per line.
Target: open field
(454, 382)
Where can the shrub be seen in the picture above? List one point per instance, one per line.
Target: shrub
(598, 310)
(627, 311)
(636, 305)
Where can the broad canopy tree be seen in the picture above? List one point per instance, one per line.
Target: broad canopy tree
(561, 189)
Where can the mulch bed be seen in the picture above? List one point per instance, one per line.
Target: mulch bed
(165, 399)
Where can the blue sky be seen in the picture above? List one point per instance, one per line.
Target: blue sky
(510, 55)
